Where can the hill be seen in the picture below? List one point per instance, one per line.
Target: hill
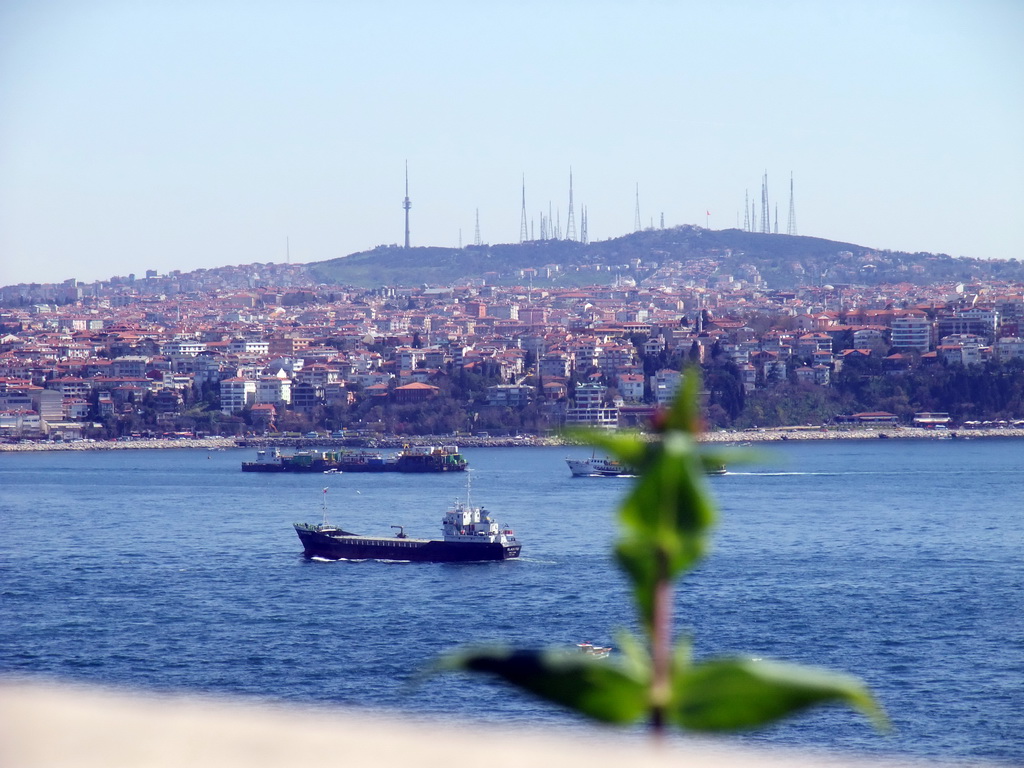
(783, 261)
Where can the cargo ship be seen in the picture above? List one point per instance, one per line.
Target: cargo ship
(416, 458)
(469, 535)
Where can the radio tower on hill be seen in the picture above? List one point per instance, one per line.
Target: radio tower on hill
(523, 234)
(766, 215)
(406, 204)
(476, 235)
(791, 227)
(570, 226)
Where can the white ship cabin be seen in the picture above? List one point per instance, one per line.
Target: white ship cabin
(268, 457)
(464, 522)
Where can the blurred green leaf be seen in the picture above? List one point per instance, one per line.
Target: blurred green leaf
(666, 519)
(733, 694)
(633, 655)
(598, 688)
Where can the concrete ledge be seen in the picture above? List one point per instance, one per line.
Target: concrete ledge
(51, 725)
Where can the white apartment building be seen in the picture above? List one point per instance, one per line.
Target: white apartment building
(631, 387)
(664, 385)
(249, 347)
(1009, 347)
(274, 390)
(589, 409)
(976, 320)
(911, 333)
(236, 394)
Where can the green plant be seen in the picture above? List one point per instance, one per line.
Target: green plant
(665, 526)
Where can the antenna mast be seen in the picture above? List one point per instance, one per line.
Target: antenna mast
(766, 215)
(476, 235)
(746, 210)
(791, 227)
(570, 226)
(523, 234)
(406, 204)
(584, 237)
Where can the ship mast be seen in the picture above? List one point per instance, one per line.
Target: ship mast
(324, 524)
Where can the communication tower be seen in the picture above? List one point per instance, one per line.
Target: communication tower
(523, 234)
(570, 226)
(766, 216)
(746, 210)
(791, 227)
(476, 235)
(406, 204)
(584, 237)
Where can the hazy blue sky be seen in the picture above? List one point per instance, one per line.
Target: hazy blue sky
(160, 135)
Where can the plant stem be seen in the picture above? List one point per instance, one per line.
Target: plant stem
(661, 646)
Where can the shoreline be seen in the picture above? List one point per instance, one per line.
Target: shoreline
(733, 437)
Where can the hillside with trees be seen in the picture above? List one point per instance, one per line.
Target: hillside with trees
(783, 261)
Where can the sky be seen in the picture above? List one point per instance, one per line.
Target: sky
(142, 134)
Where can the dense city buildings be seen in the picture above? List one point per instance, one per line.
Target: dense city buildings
(262, 349)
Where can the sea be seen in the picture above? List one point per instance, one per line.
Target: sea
(899, 561)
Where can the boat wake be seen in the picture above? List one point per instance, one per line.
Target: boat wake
(784, 474)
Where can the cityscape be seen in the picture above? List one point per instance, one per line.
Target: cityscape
(268, 350)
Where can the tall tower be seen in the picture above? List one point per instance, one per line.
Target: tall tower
(523, 234)
(746, 210)
(791, 227)
(406, 204)
(570, 226)
(637, 226)
(476, 235)
(584, 237)
(766, 214)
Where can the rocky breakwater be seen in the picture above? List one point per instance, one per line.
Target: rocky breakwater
(857, 433)
(208, 443)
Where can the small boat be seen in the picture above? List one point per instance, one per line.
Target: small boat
(598, 651)
(470, 535)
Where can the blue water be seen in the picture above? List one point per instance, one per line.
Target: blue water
(900, 562)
